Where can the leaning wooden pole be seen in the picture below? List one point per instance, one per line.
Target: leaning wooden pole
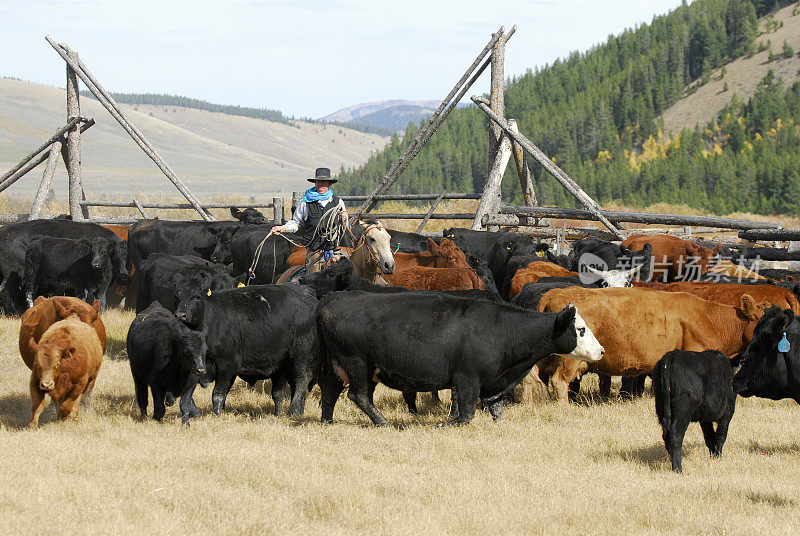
(523, 172)
(490, 200)
(116, 112)
(432, 124)
(497, 96)
(22, 163)
(72, 149)
(47, 180)
(571, 186)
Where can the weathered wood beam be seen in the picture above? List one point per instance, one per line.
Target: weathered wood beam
(761, 233)
(432, 124)
(769, 254)
(72, 149)
(22, 163)
(393, 216)
(549, 165)
(47, 180)
(130, 204)
(116, 112)
(430, 212)
(523, 172)
(277, 210)
(635, 217)
(140, 208)
(496, 97)
(490, 201)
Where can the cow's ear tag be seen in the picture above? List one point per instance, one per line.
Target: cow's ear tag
(540, 253)
(784, 345)
(508, 247)
(240, 285)
(208, 293)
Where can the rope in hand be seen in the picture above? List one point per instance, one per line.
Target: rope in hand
(329, 228)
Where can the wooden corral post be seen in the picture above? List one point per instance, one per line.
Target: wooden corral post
(794, 246)
(277, 210)
(524, 173)
(490, 201)
(496, 95)
(296, 197)
(47, 179)
(72, 149)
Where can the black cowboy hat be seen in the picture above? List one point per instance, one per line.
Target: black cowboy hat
(322, 174)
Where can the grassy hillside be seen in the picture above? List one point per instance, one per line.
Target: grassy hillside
(593, 467)
(214, 153)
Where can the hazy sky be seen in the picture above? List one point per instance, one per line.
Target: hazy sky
(304, 58)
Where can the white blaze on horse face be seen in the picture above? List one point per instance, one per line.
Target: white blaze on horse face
(588, 348)
(379, 243)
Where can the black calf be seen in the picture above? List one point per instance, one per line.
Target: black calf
(693, 387)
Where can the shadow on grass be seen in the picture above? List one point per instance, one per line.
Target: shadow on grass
(116, 349)
(653, 457)
(15, 409)
(770, 450)
(771, 499)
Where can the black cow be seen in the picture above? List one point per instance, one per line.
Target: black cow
(249, 216)
(259, 332)
(481, 268)
(693, 387)
(771, 368)
(208, 240)
(480, 243)
(508, 247)
(341, 276)
(172, 279)
(270, 253)
(531, 294)
(14, 240)
(409, 242)
(615, 257)
(163, 354)
(479, 348)
(67, 267)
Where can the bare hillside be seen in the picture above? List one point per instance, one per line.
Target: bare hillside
(213, 153)
(742, 77)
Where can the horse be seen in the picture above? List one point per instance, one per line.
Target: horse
(371, 255)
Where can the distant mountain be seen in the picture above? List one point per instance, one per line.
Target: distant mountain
(389, 114)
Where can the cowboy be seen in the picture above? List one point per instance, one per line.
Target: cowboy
(317, 202)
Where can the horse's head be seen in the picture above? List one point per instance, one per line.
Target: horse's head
(378, 241)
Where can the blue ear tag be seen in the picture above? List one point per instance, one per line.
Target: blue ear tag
(784, 345)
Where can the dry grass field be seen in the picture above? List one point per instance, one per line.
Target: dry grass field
(589, 468)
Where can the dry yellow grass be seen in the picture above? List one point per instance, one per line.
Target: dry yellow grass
(592, 468)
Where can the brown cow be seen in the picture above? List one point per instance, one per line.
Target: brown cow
(47, 311)
(67, 359)
(534, 272)
(423, 278)
(671, 255)
(446, 255)
(637, 326)
(731, 293)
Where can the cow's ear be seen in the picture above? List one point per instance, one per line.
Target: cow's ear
(96, 308)
(432, 245)
(236, 213)
(716, 248)
(749, 307)
(564, 320)
(61, 311)
(39, 300)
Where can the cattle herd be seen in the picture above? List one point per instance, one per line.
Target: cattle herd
(486, 315)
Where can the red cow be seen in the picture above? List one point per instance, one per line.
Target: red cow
(47, 311)
(66, 361)
(671, 255)
(423, 278)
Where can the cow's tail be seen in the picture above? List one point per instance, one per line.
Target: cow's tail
(666, 401)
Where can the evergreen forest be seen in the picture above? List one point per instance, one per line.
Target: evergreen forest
(597, 115)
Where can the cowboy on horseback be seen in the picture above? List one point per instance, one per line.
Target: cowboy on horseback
(315, 221)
